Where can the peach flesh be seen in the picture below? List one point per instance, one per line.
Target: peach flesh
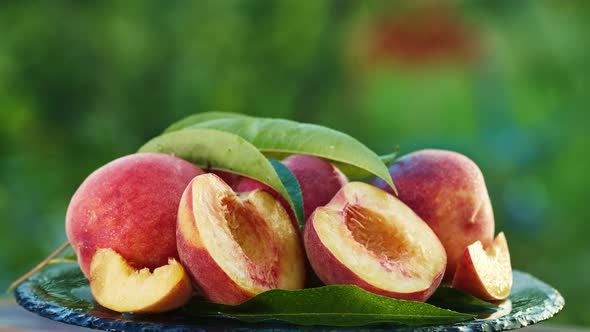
(235, 247)
(252, 235)
(368, 238)
(129, 205)
(388, 244)
(447, 190)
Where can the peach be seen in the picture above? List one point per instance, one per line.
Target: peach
(130, 205)
(319, 181)
(368, 238)
(235, 247)
(447, 190)
(485, 273)
(228, 177)
(118, 286)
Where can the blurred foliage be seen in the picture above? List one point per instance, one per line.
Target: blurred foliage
(505, 82)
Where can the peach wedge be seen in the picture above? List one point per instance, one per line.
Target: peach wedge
(235, 247)
(485, 273)
(118, 286)
(368, 238)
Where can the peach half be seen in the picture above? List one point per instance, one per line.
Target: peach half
(485, 273)
(368, 238)
(116, 285)
(235, 247)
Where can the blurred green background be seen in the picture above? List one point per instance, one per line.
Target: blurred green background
(504, 82)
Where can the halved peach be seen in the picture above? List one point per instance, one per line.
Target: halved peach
(235, 247)
(118, 286)
(367, 237)
(485, 273)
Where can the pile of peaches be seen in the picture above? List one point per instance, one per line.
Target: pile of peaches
(152, 230)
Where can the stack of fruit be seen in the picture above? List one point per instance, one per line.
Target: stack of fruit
(152, 229)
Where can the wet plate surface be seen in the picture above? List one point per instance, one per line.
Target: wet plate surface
(62, 294)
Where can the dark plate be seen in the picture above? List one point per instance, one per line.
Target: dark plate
(530, 301)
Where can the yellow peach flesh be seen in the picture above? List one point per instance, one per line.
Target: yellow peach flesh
(118, 286)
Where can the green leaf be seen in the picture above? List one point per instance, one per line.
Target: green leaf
(286, 136)
(200, 117)
(220, 150)
(330, 305)
(359, 173)
(292, 185)
(453, 299)
(351, 172)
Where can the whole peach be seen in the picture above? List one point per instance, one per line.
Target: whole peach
(447, 190)
(130, 205)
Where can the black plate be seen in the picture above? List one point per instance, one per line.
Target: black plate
(530, 301)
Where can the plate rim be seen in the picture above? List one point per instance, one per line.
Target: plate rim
(45, 308)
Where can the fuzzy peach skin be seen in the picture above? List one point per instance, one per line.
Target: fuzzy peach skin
(130, 205)
(485, 273)
(235, 247)
(447, 190)
(368, 238)
(118, 286)
(319, 181)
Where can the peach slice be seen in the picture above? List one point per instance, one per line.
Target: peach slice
(118, 286)
(368, 238)
(235, 247)
(485, 273)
